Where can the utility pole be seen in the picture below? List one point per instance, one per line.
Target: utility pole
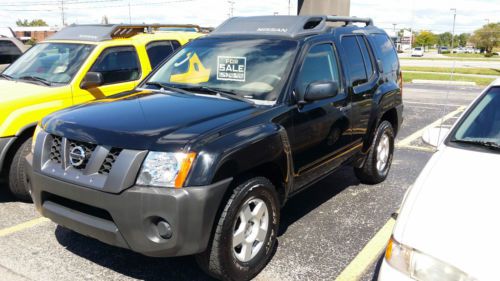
(231, 8)
(394, 25)
(288, 7)
(129, 13)
(453, 30)
(62, 13)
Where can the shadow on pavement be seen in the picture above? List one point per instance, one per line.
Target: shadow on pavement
(5, 195)
(137, 266)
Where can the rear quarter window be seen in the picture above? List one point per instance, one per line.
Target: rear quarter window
(386, 53)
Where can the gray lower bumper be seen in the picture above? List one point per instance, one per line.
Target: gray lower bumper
(5, 144)
(129, 219)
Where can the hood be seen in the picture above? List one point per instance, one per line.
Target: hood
(451, 212)
(11, 90)
(146, 120)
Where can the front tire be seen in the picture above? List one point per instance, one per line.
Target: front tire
(245, 234)
(17, 179)
(379, 159)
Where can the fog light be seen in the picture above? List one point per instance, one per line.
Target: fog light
(164, 229)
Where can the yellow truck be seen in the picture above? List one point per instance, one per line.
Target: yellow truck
(80, 63)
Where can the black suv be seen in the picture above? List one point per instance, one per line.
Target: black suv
(200, 158)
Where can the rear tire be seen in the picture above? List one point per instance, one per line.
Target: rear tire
(245, 233)
(379, 159)
(17, 179)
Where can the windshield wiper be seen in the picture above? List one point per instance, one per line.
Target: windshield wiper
(36, 79)
(8, 77)
(163, 86)
(487, 144)
(218, 92)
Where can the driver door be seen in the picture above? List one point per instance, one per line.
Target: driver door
(120, 69)
(321, 128)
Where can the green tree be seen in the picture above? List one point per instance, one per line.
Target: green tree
(462, 39)
(487, 37)
(444, 39)
(35, 22)
(425, 38)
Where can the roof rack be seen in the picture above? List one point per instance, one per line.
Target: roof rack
(103, 32)
(286, 26)
(349, 20)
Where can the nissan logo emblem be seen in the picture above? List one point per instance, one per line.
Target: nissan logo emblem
(77, 156)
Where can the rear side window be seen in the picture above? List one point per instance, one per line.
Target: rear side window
(118, 64)
(159, 50)
(386, 53)
(355, 60)
(8, 52)
(367, 58)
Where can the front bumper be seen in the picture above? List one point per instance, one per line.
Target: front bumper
(389, 273)
(5, 144)
(129, 219)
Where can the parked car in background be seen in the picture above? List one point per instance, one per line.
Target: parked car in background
(443, 50)
(200, 158)
(447, 226)
(417, 52)
(10, 50)
(78, 64)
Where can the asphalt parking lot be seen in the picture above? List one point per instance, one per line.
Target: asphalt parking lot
(325, 233)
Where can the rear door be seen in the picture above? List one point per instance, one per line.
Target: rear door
(320, 128)
(362, 82)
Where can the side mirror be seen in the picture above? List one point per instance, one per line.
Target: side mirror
(91, 80)
(435, 136)
(321, 90)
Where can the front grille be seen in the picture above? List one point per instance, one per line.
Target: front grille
(88, 147)
(55, 149)
(109, 161)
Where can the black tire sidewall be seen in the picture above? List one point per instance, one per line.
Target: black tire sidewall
(17, 179)
(237, 270)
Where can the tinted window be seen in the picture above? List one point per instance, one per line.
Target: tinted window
(355, 60)
(319, 65)
(158, 51)
(117, 64)
(366, 56)
(8, 52)
(385, 52)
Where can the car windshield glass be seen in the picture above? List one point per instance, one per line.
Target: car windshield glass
(253, 69)
(53, 63)
(482, 125)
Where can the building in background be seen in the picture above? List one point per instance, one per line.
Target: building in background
(35, 33)
(324, 7)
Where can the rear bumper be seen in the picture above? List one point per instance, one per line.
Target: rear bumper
(129, 219)
(5, 144)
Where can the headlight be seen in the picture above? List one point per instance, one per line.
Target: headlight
(165, 169)
(420, 266)
(38, 129)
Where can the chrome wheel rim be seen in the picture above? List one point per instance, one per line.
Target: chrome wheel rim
(383, 151)
(250, 229)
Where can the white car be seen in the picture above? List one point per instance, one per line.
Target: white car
(417, 52)
(448, 226)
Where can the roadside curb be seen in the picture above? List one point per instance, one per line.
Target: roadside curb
(443, 82)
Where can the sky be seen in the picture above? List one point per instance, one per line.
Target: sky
(433, 15)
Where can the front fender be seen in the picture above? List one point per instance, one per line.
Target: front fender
(242, 150)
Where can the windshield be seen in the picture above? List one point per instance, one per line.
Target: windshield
(482, 124)
(55, 63)
(252, 69)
